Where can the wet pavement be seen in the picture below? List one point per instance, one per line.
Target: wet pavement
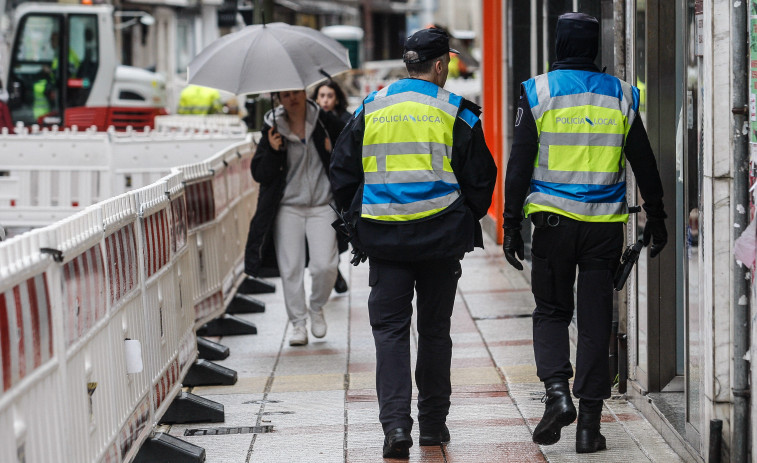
(319, 401)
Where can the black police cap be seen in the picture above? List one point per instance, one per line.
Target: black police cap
(426, 44)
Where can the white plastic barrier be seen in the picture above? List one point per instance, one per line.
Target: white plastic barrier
(123, 269)
(221, 199)
(31, 410)
(46, 176)
(211, 122)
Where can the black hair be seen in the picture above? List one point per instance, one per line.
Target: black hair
(341, 99)
(424, 67)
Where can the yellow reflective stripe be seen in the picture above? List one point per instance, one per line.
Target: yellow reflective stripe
(532, 208)
(402, 218)
(584, 158)
(400, 162)
(582, 119)
(392, 124)
(369, 164)
(447, 164)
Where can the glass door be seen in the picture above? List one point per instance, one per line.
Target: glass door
(691, 170)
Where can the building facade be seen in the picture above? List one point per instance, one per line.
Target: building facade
(684, 321)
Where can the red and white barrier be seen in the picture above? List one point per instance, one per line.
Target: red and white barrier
(149, 266)
(49, 175)
(221, 198)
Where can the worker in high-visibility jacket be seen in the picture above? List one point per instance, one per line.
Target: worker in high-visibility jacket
(574, 129)
(46, 90)
(414, 175)
(195, 99)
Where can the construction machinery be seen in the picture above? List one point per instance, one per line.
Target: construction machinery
(61, 69)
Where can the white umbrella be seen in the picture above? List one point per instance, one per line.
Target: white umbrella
(268, 58)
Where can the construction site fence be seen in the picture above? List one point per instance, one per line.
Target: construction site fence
(47, 175)
(99, 311)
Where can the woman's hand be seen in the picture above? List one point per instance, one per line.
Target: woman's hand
(328, 145)
(274, 139)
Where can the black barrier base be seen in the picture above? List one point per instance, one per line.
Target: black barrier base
(164, 447)
(242, 303)
(227, 325)
(190, 408)
(210, 350)
(204, 373)
(255, 286)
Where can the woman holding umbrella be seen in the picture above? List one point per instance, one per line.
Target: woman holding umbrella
(291, 164)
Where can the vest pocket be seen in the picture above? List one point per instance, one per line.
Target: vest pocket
(542, 279)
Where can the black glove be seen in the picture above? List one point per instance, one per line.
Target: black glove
(513, 246)
(656, 233)
(358, 257)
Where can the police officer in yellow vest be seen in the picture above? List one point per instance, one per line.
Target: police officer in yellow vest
(195, 99)
(574, 129)
(413, 172)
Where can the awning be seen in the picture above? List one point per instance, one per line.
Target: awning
(336, 7)
(319, 7)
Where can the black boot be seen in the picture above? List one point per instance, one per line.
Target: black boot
(558, 413)
(397, 443)
(341, 284)
(588, 437)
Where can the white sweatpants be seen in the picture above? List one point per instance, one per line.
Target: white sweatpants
(295, 224)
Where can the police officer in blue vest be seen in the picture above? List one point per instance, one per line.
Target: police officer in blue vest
(414, 175)
(574, 129)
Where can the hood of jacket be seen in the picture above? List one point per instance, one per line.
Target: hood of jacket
(577, 42)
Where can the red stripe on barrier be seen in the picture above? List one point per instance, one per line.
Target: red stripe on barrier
(34, 307)
(209, 201)
(179, 217)
(130, 257)
(114, 254)
(114, 269)
(165, 229)
(5, 343)
(148, 245)
(70, 323)
(162, 241)
(48, 311)
(155, 245)
(94, 274)
(87, 296)
(100, 283)
(20, 328)
(131, 260)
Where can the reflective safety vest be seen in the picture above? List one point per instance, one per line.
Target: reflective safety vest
(407, 147)
(41, 104)
(195, 99)
(582, 119)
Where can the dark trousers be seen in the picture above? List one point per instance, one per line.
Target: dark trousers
(390, 309)
(556, 251)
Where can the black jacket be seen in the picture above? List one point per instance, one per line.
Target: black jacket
(520, 166)
(451, 233)
(576, 48)
(269, 168)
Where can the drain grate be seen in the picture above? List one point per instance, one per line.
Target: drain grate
(274, 413)
(263, 401)
(226, 431)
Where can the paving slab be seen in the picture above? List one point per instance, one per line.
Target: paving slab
(319, 401)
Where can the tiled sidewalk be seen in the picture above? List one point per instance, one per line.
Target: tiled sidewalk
(321, 398)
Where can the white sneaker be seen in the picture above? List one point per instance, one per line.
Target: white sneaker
(299, 336)
(317, 323)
